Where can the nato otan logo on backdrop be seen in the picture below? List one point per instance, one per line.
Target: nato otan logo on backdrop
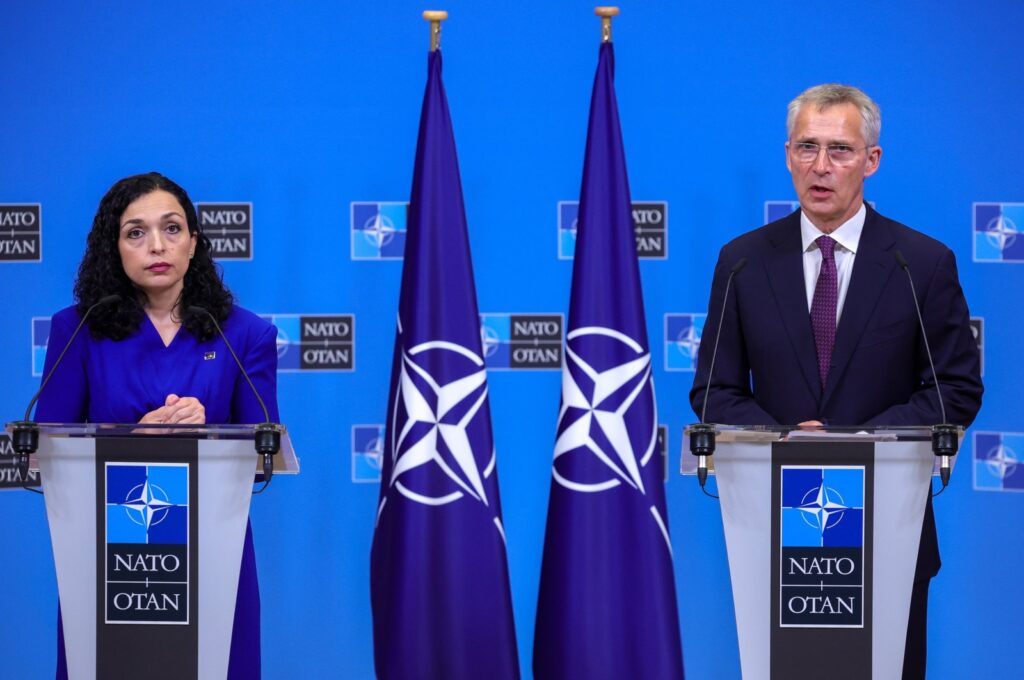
(776, 210)
(367, 453)
(822, 541)
(978, 331)
(314, 342)
(997, 232)
(40, 336)
(10, 477)
(378, 229)
(521, 341)
(147, 543)
(21, 232)
(650, 219)
(682, 340)
(229, 228)
(997, 461)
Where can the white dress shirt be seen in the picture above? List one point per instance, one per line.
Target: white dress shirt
(847, 237)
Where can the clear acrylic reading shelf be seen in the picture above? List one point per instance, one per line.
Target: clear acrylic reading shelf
(760, 434)
(285, 461)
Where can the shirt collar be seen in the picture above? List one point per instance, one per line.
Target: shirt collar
(847, 235)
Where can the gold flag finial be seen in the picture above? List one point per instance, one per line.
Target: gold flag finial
(606, 14)
(435, 17)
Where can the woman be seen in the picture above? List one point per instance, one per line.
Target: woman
(146, 359)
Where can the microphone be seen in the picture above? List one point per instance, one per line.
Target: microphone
(702, 435)
(25, 432)
(944, 435)
(268, 434)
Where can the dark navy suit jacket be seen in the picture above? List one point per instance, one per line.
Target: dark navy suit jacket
(766, 372)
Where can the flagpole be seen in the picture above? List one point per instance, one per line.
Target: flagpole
(435, 17)
(606, 14)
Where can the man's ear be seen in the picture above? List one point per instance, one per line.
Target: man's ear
(874, 158)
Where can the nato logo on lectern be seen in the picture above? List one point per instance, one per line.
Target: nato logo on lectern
(521, 341)
(378, 229)
(367, 453)
(314, 342)
(650, 221)
(822, 541)
(229, 228)
(996, 228)
(21, 237)
(146, 563)
(682, 340)
(40, 336)
(997, 465)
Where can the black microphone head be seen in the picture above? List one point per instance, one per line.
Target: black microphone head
(196, 309)
(740, 264)
(109, 299)
(900, 260)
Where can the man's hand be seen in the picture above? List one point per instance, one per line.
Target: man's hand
(177, 411)
(811, 423)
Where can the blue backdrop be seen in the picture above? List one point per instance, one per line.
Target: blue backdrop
(302, 110)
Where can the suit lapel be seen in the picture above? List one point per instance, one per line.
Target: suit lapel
(785, 267)
(872, 268)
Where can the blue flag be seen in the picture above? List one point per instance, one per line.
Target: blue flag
(438, 571)
(607, 605)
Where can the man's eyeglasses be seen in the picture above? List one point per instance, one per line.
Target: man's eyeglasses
(840, 154)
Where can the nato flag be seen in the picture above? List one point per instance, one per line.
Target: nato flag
(607, 606)
(438, 571)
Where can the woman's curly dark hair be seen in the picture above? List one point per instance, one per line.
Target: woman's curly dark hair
(101, 272)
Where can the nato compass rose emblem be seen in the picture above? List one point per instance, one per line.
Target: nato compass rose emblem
(1001, 232)
(374, 452)
(379, 230)
(489, 340)
(281, 342)
(822, 508)
(147, 505)
(1002, 461)
(574, 227)
(607, 423)
(688, 342)
(440, 427)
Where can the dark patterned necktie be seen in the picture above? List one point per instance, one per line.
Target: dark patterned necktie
(823, 307)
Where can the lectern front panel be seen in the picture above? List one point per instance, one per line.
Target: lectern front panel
(822, 521)
(146, 559)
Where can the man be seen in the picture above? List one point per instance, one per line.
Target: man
(820, 326)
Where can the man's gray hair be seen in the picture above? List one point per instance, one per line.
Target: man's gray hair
(834, 94)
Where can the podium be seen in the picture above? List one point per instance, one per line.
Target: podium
(822, 531)
(147, 525)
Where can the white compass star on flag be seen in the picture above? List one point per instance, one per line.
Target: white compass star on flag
(594, 415)
(437, 415)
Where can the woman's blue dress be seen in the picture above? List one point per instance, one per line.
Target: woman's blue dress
(107, 381)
